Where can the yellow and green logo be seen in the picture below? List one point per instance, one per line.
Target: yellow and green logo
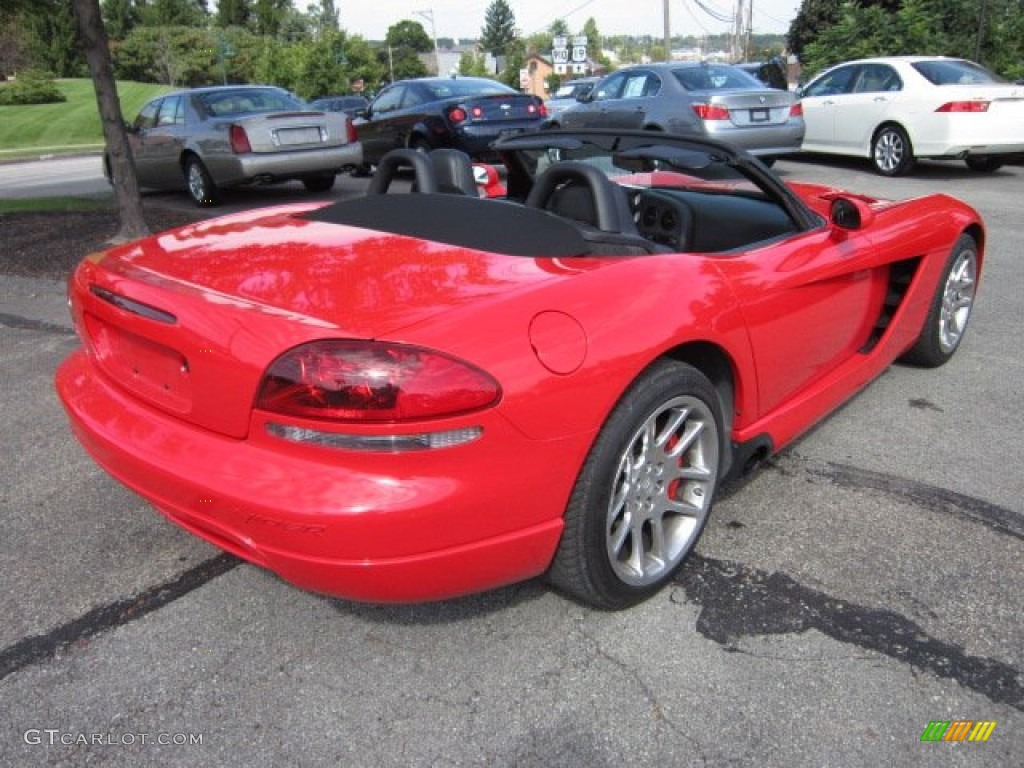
(958, 730)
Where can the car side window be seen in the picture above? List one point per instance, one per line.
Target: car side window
(611, 88)
(170, 112)
(389, 100)
(147, 117)
(835, 82)
(635, 86)
(877, 78)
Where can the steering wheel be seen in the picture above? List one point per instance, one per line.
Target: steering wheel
(607, 207)
(424, 177)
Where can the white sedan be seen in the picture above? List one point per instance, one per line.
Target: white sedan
(895, 110)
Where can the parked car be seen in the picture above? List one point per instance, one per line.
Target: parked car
(351, 105)
(206, 139)
(567, 94)
(400, 397)
(465, 113)
(896, 110)
(694, 98)
(771, 72)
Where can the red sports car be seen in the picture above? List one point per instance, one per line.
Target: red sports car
(411, 396)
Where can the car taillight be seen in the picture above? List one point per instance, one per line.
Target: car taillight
(538, 109)
(964, 106)
(797, 109)
(371, 381)
(477, 112)
(457, 115)
(350, 131)
(710, 112)
(239, 140)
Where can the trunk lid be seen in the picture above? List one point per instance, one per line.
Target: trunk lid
(189, 320)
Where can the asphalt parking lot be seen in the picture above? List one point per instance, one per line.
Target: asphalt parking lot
(866, 583)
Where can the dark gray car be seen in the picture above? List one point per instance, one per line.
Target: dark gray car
(714, 100)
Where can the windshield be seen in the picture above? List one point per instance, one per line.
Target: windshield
(955, 72)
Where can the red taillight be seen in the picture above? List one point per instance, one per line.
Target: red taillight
(370, 381)
(964, 106)
(457, 115)
(239, 140)
(477, 112)
(350, 131)
(710, 112)
(538, 109)
(797, 110)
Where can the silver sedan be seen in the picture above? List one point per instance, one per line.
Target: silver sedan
(205, 139)
(714, 100)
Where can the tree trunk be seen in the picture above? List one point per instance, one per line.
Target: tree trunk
(122, 167)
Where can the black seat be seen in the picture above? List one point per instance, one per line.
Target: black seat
(598, 206)
(424, 176)
(454, 172)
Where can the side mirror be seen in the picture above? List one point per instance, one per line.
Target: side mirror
(851, 213)
(583, 98)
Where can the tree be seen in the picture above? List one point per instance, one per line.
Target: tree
(269, 15)
(499, 32)
(233, 13)
(472, 64)
(120, 17)
(122, 168)
(170, 13)
(53, 43)
(813, 18)
(409, 34)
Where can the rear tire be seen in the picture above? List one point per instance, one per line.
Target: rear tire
(984, 163)
(319, 183)
(950, 309)
(201, 187)
(643, 496)
(891, 151)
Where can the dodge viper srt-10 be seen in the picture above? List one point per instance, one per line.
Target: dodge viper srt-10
(415, 395)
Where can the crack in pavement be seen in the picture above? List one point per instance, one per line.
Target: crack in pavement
(37, 648)
(28, 324)
(994, 517)
(738, 601)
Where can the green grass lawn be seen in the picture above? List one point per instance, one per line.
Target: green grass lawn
(70, 125)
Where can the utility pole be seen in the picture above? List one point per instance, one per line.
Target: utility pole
(668, 32)
(429, 16)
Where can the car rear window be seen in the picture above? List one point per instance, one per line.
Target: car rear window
(449, 88)
(955, 72)
(245, 100)
(715, 78)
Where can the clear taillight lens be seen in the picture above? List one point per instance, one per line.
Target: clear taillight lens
(369, 381)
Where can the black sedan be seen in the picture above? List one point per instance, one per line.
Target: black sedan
(465, 113)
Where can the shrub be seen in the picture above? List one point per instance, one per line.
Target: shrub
(31, 87)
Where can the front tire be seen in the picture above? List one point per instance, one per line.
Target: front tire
(643, 497)
(891, 151)
(950, 309)
(200, 184)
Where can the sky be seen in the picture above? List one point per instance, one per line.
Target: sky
(465, 18)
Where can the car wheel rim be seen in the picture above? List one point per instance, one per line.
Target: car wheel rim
(195, 182)
(889, 151)
(957, 300)
(662, 492)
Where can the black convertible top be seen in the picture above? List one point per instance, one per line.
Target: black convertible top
(496, 226)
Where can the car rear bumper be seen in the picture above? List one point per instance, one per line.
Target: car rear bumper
(379, 527)
(279, 166)
(762, 141)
